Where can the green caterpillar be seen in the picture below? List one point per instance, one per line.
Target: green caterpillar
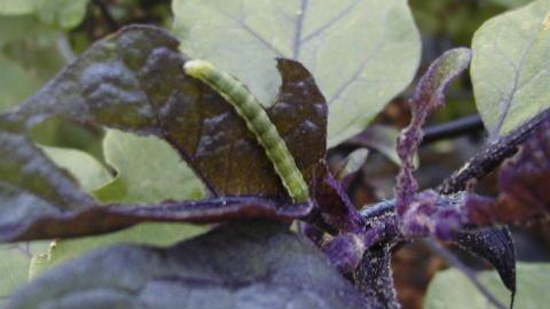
(257, 121)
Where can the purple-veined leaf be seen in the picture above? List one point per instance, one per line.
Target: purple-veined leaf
(255, 265)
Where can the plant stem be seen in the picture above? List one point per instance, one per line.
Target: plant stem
(462, 126)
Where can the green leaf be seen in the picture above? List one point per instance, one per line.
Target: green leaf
(352, 163)
(27, 26)
(85, 168)
(242, 265)
(149, 171)
(460, 20)
(516, 45)
(159, 234)
(17, 84)
(361, 53)
(65, 14)
(450, 289)
(28, 58)
(19, 7)
(14, 266)
(511, 3)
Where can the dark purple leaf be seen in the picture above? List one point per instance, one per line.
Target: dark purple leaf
(256, 265)
(56, 223)
(496, 246)
(134, 81)
(42, 201)
(25, 167)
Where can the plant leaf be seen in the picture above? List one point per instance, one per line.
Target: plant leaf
(20, 7)
(138, 73)
(14, 266)
(148, 171)
(352, 47)
(28, 58)
(41, 220)
(17, 84)
(167, 178)
(86, 169)
(158, 234)
(41, 201)
(513, 44)
(352, 163)
(25, 167)
(451, 290)
(64, 14)
(511, 3)
(496, 246)
(255, 265)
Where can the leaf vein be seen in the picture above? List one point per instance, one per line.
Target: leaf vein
(331, 22)
(506, 104)
(298, 32)
(253, 33)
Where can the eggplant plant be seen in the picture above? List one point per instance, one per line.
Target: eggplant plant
(253, 135)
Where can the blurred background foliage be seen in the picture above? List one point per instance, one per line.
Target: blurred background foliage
(39, 37)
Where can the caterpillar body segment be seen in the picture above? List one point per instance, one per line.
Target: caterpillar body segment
(257, 121)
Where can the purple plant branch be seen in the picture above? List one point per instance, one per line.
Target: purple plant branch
(334, 205)
(491, 157)
(428, 96)
(431, 214)
(346, 250)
